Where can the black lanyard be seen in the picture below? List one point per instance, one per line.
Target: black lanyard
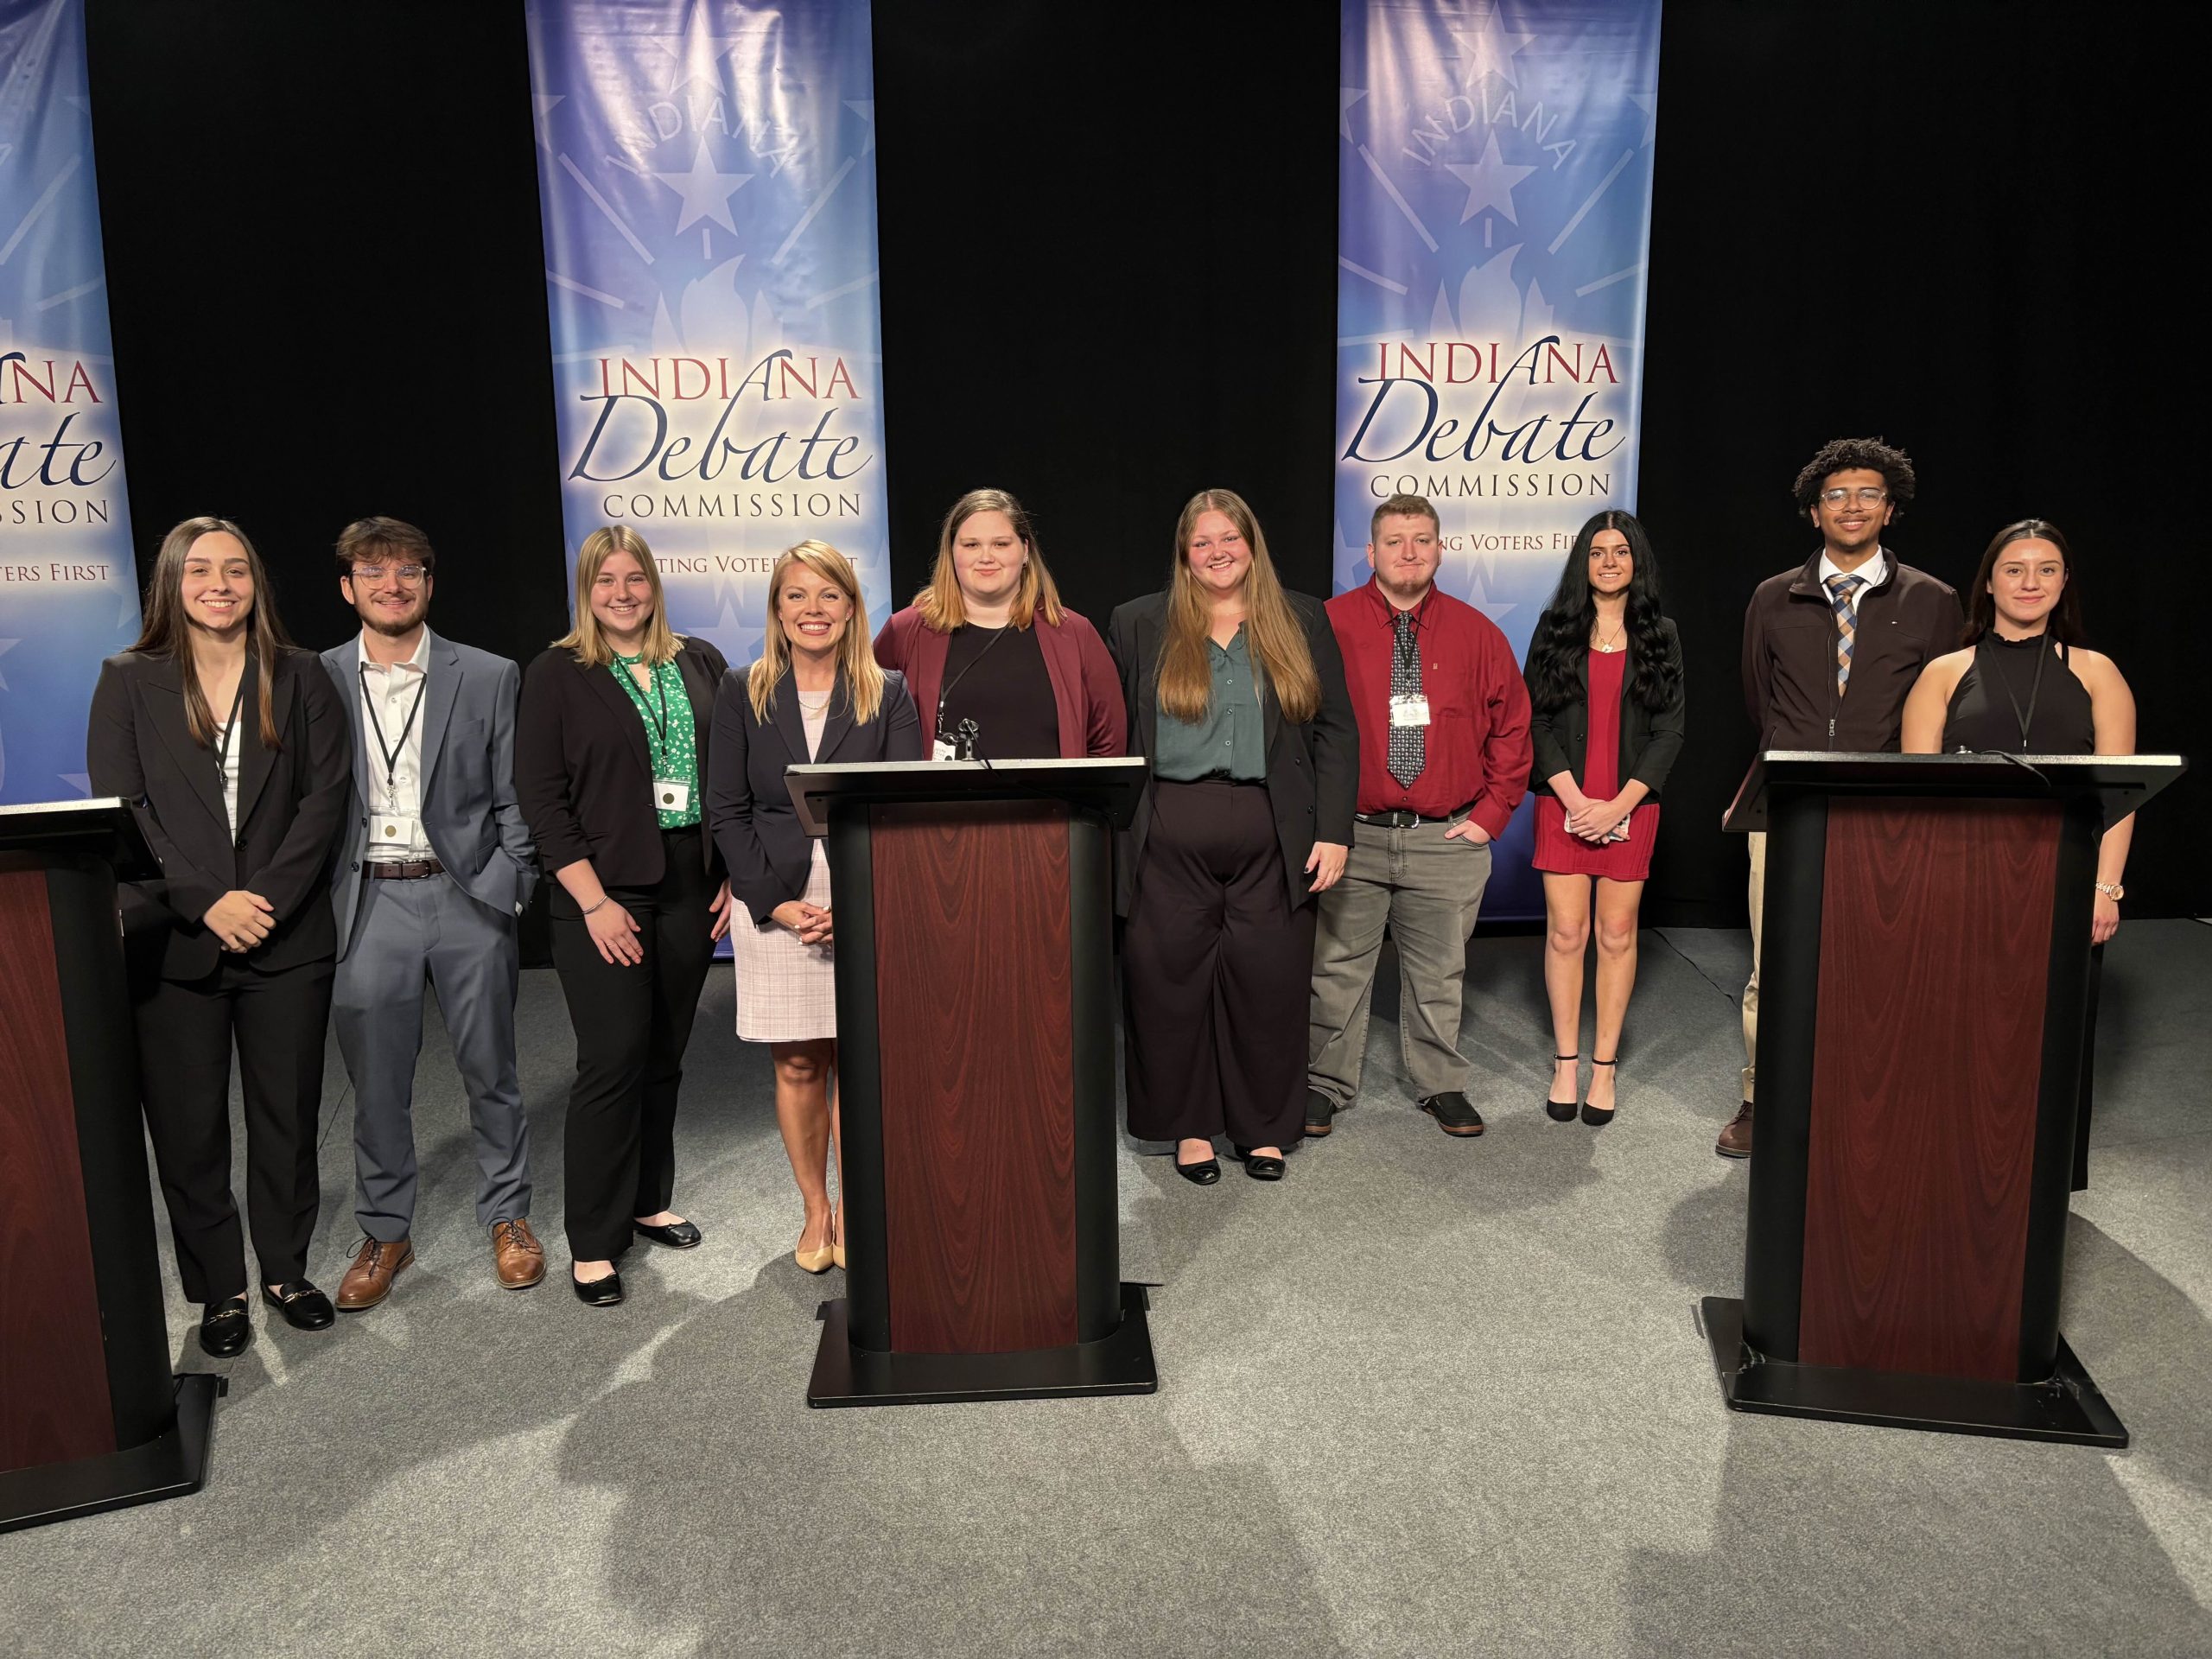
(963, 674)
(392, 754)
(2035, 690)
(229, 735)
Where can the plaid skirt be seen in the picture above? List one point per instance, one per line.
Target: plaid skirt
(786, 991)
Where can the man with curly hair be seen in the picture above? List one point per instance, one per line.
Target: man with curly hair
(1832, 647)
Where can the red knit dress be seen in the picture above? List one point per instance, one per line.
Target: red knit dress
(1561, 854)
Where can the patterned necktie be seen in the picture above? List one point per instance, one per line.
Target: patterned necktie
(1847, 625)
(1408, 744)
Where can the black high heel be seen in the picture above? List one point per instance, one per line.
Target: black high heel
(1560, 1111)
(1593, 1117)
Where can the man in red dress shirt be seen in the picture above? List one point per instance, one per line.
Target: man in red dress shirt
(1443, 761)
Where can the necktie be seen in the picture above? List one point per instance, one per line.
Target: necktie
(1847, 625)
(1408, 744)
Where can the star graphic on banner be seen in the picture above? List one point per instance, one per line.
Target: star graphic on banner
(864, 108)
(1489, 50)
(1478, 580)
(1649, 102)
(80, 781)
(738, 640)
(706, 192)
(6, 645)
(1490, 181)
(700, 57)
(1347, 97)
(540, 106)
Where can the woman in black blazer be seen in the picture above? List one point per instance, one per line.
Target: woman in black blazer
(816, 694)
(611, 748)
(1604, 676)
(1235, 692)
(230, 745)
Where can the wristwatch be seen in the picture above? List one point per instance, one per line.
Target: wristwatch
(2113, 890)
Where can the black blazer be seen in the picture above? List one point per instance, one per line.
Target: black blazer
(749, 805)
(1312, 768)
(1650, 738)
(584, 771)
(292, 803)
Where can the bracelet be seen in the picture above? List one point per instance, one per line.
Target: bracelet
(2111, 890)
(602, 905)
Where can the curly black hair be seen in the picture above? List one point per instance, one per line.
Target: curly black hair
(1561, 645)
(1849, 454)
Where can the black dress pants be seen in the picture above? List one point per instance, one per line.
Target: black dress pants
(186, 1030)
(1216, 970)
(632, 1025)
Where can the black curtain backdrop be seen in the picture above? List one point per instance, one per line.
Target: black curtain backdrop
(1109, 279)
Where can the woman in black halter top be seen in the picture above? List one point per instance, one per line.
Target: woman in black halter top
(2024, 685)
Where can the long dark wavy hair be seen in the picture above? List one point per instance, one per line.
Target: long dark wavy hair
(2065, 622)
(1562, 640)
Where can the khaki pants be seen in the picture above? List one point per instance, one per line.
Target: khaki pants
(1758, 838)
(1427, 890)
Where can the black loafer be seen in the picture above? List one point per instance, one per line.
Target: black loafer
(677, 1235)
(1205, 1175)
(599, 1292)
(223, 1328)
(1320, 1113)
(304, 1307)
(1261, 1168)
(1455, 1113)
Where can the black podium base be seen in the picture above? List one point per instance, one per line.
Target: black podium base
(2068, 1409)
(174, 1465)
(846, 1375)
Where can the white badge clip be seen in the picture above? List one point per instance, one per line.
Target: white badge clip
(941, 749)
(670, 796)
(1410, 711)
(393, 830)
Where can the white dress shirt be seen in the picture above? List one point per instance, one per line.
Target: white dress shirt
(1872, 573)
(388, 694)
(228, 742)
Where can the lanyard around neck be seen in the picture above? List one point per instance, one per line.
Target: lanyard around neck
(230, 733)
(947, 691)
(656, 712)
(392, 752)
(2035, 688)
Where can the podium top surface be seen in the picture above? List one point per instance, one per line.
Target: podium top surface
(105, 823)
(2122, 782)
(1109, 785)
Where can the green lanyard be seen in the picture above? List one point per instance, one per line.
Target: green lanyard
(655, 713)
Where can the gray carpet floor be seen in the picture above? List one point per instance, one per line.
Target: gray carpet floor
(1425, 1397)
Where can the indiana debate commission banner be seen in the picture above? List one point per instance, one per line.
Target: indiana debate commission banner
(1494, 211)
(708, 175)
(68, 588)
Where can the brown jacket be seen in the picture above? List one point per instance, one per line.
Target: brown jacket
(1789, 636)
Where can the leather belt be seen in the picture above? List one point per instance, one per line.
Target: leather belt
(1397, 819)
(415, 872)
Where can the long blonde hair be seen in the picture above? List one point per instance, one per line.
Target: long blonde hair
(167, 632)
(939, 603)
(585, 640)
(1272, 633)
(855, 658)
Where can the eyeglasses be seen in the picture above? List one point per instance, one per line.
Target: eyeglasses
(1867, 497)
(409, 574)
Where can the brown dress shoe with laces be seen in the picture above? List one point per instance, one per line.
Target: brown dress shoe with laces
(1736, 1140)
(516, 1256)
(368, 1282)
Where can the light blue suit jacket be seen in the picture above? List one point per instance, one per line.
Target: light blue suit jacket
(470, 815)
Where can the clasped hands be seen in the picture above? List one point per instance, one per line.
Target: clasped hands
(1594, 821)
(241, 919)
(809, 921)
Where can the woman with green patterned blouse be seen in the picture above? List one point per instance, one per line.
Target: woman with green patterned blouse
(610, 764)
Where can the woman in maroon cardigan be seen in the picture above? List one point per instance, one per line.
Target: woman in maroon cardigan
(999, 669)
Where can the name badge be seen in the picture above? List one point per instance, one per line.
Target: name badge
(1410, 711)
(941, 749)
(393, 831)
(670, 796)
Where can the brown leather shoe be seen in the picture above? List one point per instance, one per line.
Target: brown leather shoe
(516, 1256)
(368, 1282)
(1736, 1140)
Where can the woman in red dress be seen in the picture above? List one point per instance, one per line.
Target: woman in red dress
(1604, 675)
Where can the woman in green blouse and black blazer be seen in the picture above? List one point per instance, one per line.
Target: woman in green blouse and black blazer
(610, 764)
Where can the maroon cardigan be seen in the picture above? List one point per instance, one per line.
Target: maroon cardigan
(1086, 689)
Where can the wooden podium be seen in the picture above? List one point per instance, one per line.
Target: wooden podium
(1922, 989)
(90, 1417)
(976, 1081)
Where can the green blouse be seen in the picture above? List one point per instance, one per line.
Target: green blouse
(1231, 736)
(666, 711)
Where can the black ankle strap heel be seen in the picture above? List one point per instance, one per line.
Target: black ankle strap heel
(1560, 1111)
(1591, 1114)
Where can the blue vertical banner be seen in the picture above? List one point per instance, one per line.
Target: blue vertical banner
(707, 171)
(68, 588)
(1494, 217)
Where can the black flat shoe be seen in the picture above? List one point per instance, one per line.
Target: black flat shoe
(678, 1236)
(304, 1307)
(1320, 1113)
(223, 1328)
(1597, 1116)
(1258, 1166)
(1560, 1111)
(1205, 1175)
(599, 1292)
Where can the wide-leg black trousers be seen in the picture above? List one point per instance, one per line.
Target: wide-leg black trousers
(632, 1025)
(1216, 970)
(186, 1031)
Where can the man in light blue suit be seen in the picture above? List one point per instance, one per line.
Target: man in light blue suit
(434, 868)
